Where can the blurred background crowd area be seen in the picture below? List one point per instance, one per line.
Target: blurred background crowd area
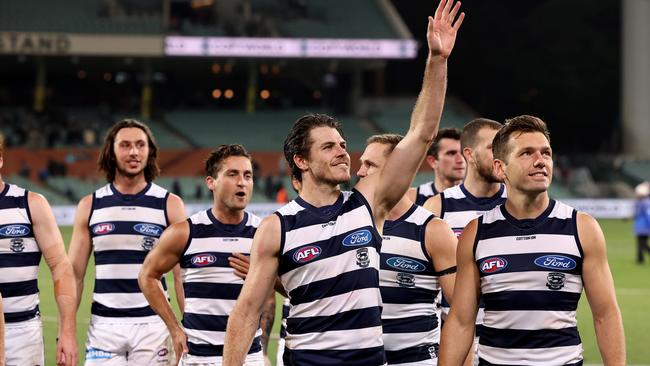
(73, 68)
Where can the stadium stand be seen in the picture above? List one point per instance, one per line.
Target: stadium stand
(78, 16)
(265, 130)
(394, 114)
(54, 197)
(637, 169)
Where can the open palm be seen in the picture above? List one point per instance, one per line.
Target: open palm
(442, 29)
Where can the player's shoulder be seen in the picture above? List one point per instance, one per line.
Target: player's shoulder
(455, 192)
(253, 220)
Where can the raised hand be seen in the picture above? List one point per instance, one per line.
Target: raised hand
(442, 28)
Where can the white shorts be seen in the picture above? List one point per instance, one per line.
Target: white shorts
(254, 359)
(129, 344)
(24, 343)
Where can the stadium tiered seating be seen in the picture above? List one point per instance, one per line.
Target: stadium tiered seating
(357, 19)
(77, 16)
(262, 131)
(53, 197)
(638, 169)
(394, 115)
(78, 187)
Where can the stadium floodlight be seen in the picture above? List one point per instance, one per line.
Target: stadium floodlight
(291, 47)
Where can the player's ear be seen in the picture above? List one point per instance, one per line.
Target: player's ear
(300, 162)
(210, 182)
(431, 161)
(499, 169)
(468, 154)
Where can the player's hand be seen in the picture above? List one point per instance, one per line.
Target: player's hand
(179, 342)
(267, 361)
(441, 32)
(241, 263)
(66, 350)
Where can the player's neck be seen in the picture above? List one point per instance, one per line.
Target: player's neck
(400, 208)
(479, 187)
(523, 205)
(2, 184)
(319, 194)
(227, 216)
(129, 185)
(443, 183)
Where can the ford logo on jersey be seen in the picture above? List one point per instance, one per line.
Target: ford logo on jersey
(306, 254)
(203, 259)
(148, 229)
(103, 228)
(357, 238)
(14, 230)
(405, 264)
(556, 262)
(494, 264)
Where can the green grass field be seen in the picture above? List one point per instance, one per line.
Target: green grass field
(632, 289)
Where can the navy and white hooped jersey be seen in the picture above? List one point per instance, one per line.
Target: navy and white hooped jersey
(210, 284)
(19, 256)
(329, 266)
(123, 229)
(424, 191)
(409, 287)
(459, 207)
(531, 280)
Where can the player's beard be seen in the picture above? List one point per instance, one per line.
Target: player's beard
(127, 174)
(487, 173)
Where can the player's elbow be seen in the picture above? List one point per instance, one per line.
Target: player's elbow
(146, 279)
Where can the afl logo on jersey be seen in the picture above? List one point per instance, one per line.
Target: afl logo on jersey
(148, 229)
(556, 262)
(306, 254)
(204, 259)
(494, 264)
(405, 264)
(14, 230)
(103, 228)
(357, 238)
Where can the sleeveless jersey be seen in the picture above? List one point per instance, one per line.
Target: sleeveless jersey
(329, 266)
(409, 287)
(459, 207)
(531, 280)
(210, 284)
(19, 256)
(123, 229)
(424, 191)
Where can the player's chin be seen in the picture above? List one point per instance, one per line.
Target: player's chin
(342, 178)
(537, 188)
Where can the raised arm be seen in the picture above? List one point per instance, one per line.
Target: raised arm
(176, 213)
(599, 287)
(162, 258)
(50, 242)
(245, 317)
(396, 177)
(441, 246)
(458, 333)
